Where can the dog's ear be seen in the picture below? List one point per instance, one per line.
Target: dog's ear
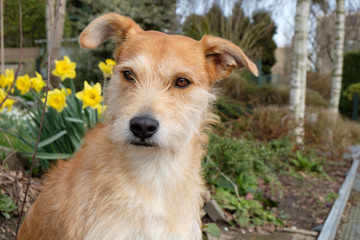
(108, 26)
(222, 57)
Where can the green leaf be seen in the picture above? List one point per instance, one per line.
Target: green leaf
(6, 215)
(212, 229)
(52, 139)
(75, 120)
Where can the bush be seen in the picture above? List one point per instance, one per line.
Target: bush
(320, 83)
(351, 73)
(234, 168)
(260, 123)
(266, 123)
(240, 88)
(244, 161)
(320, 132)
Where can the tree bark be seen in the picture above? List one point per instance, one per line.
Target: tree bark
(58, 35)
(338, 58)
(2, 37)
(299, 68)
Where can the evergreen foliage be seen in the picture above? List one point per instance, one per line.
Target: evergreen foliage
(33, 22)
(351, 74)
(252, 34)
(149, 14)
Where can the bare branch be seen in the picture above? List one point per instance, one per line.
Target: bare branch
(226, 177)
(43, 110)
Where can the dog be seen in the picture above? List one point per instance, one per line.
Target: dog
(138, 174)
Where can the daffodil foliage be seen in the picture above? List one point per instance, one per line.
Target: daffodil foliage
(69, 114)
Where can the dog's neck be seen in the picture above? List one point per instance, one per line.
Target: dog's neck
(162, 168)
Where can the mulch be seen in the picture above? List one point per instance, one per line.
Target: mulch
(13, 184)
(306, 201)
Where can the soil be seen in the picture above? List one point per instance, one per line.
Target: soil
(307, 201)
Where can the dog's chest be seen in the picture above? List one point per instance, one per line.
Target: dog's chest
(147, 220)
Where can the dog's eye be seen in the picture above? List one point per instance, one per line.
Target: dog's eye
(128, 75)
(182, 83)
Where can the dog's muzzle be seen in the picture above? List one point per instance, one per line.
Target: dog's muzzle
(143, 128)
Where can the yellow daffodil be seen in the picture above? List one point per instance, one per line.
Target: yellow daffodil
(107, 67)
(100, 110)
(8, 102)
(57, 99)
(23, 84)
(91, 96)
(37, 83)
(6, 81)
(3, 81)
(68, 91)
(65, 68)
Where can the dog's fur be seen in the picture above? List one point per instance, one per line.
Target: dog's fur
(112, 189)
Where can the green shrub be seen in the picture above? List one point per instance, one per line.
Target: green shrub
(247, 212)
(351, 73)
(234, 168)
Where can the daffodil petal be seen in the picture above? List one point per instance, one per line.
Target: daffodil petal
(97, 87)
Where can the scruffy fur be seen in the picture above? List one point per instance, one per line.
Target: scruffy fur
(114, 190)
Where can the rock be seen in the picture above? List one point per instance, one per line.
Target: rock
(214, 211)
(319, 228)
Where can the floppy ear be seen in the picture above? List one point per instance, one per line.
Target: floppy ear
(222, 57)
(108, 26)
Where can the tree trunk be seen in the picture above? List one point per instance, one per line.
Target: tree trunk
(58, 35)
(2, 37)
(338, 57)
(299, 68)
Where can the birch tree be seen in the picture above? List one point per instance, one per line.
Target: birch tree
(299, 68)
(338, 57)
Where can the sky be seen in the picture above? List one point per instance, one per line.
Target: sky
(283, 13)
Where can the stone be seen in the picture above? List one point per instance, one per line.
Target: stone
(214, 211)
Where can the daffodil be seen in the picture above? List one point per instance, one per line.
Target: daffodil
(57, 99)
(37, 83)
(64, 68)
(23, 84)
(3, 81)
(6, 81)
(107, 67)
(8, 102)
(100, 110)
(68, 91)
(90, 96)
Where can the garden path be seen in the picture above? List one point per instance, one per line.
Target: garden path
(349, 228)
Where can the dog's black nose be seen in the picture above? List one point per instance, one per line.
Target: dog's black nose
(143, 127)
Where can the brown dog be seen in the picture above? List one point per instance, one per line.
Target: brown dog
(138, 175)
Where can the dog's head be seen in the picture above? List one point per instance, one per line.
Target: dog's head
(160, 95)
